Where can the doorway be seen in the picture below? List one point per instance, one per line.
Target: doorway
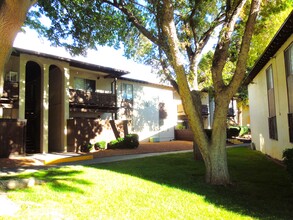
(33, 107)
(56, 122)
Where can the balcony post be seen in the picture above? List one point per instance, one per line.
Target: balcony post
(66, 94)
(21, 98)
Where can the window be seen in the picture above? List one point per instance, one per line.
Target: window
(12, 76)
(162, 113)
(289, 73)
(272, 120)
(127, 92)
(127, 100)
(85, 84)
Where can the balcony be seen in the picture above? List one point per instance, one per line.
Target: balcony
(79, 99)
(10, 95)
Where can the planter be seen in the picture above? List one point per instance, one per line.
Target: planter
(13, 137)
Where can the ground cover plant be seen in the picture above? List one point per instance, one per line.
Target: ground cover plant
(162, 187)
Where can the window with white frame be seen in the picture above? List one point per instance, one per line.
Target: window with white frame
(272, 120)
(127, 92)
(289, 75)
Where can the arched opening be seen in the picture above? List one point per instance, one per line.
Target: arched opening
(56, 135)
(33, 106)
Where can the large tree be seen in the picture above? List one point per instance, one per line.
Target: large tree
(172, 34)
(12, 16)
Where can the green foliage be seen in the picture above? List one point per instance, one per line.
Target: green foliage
(86, 148)
(288, 161)
(100, 145)
(130, 141)
(180, 127)
(233, 132)
(272, 16)
(244, 130)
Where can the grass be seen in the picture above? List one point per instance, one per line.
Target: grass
(163, 187)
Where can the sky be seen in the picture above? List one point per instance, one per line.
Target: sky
(104, 56)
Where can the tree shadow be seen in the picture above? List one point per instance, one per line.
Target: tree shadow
(260, 188)
(57, 179)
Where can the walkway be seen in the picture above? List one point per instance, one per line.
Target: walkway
(16, 164)
(37, 161)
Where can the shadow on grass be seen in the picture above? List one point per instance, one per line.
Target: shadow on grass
(57, 179)
(261, 188)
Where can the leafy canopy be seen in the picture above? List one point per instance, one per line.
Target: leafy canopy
(79, 25)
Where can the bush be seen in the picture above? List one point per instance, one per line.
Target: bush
(288, 161)
(129, 142)
(233, 132)
(180, 127)
(86, 148)
(100, 145)
(244, 130)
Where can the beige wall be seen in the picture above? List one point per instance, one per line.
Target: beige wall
(244, 116)
(258, 102)
(102, 84)
(145, 119)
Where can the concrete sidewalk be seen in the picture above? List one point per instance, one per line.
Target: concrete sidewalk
(45, 161)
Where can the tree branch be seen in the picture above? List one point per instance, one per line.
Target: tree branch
(221, 52)
(244, 49)
(134, 20)
(206, 36)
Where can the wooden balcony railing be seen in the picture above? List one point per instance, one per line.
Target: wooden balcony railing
(92, 100)
(10, 94)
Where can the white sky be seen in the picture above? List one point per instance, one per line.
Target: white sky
(104, 56)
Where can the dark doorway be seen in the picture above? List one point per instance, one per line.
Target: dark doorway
(33, 106)
(56, 122)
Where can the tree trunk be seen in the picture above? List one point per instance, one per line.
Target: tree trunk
(12, 16)
(216, 165)
(216, 158)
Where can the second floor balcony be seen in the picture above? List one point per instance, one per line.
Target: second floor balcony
(92, 100)
(10, 95)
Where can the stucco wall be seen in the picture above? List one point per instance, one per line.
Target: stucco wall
(258, 102)
(102, 84)
(145, 116)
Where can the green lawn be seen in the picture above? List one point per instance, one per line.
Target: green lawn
(163, 187)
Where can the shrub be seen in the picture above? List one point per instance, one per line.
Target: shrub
(244, 130)
(288, 161)
(86, 148)
(100, 145)
(129, 142)
(180, 127)
(233, 132)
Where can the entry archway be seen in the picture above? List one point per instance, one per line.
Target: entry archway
(33, 106)
(56, 102)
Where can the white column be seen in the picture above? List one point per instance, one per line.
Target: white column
(65, 89)
(45, 109)
(21, 100)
